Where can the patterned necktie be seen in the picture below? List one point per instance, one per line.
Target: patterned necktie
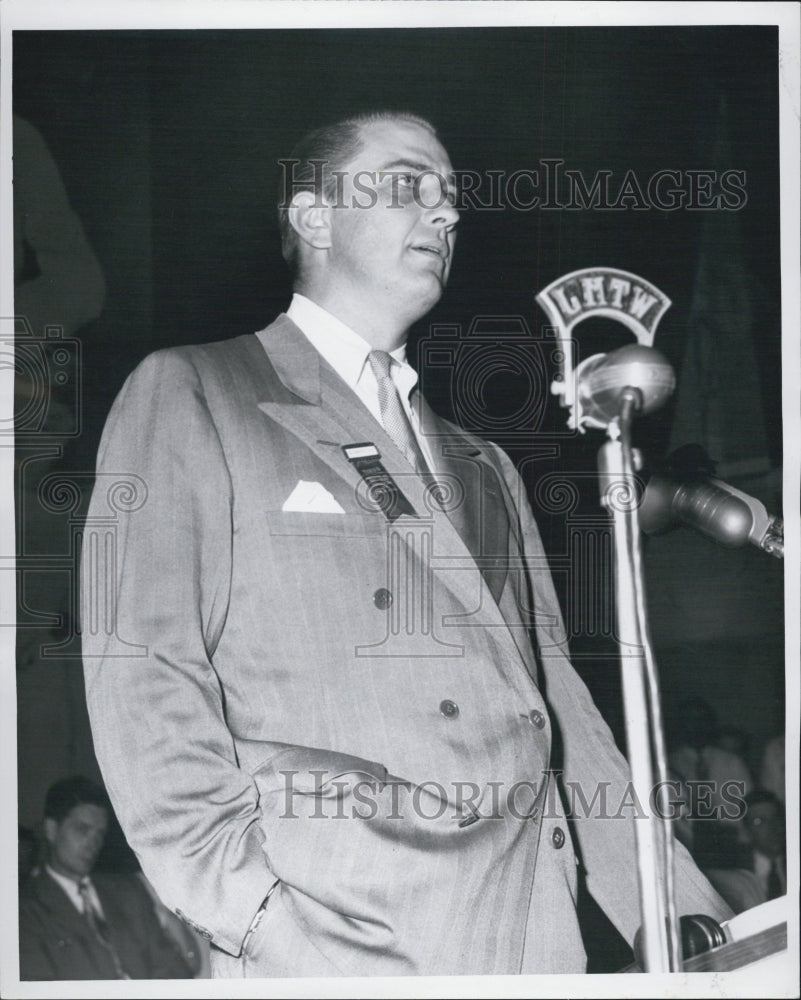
(99, 926)
(393, 414)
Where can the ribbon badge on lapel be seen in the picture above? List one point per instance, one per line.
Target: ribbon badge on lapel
(382, 490)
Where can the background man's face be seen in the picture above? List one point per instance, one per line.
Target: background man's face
(764, 828)
(393, 224)
(76, 841)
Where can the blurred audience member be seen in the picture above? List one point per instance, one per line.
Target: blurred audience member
(118, 857)
(771, 770)
(77, 926)
(57, 278)
(762, 872)
(193, 948)
(764, 833)
(717, 781)
(734, 740)
(696, 757)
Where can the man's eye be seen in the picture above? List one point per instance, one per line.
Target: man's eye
(406, 178)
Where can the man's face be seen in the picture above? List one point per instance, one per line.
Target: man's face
(393, 222)
(764, 828)
(75, 842)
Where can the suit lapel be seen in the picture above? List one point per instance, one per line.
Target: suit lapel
(325, 414)
(63, 913)
(52, 896)
(490, 522)
(477, 512)
(320, 410)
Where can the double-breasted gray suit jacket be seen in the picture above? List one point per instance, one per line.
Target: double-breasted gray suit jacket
(340, 701)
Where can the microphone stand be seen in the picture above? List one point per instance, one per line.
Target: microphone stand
(644, 732)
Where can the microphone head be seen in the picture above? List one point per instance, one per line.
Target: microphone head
(699, 503)
(602, 379)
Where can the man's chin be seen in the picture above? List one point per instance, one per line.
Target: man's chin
(426, 295)
(436, 270)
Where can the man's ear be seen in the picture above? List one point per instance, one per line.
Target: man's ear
(310, 217)
(50, 829)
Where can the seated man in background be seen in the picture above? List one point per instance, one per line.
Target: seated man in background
(75, 926)
(717, 780)
(761, 873)
(765, 836)
(697, 754)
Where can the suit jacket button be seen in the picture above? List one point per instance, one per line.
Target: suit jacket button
(558, 837)
(449, 709)
(382, 598)
(536, 718)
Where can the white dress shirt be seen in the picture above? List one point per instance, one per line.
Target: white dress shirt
(347, 352)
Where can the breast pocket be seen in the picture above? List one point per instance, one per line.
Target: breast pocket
(308, 523)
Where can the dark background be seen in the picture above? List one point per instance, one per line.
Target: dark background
(168, 145)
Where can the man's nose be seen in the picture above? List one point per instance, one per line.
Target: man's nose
(435, 200)
(444, 215)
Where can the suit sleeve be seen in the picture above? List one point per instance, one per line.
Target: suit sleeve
(156, 572)
(592, 761)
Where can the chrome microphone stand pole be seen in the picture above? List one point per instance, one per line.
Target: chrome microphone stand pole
(644, 733)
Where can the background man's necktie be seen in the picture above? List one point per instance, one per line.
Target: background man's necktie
(393, 414)
(99, 926)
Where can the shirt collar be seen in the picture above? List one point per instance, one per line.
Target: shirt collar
(344, 349)
(68, 884)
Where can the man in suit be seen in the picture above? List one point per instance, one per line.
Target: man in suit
(79, 925)
(760, 872)
(316, 703)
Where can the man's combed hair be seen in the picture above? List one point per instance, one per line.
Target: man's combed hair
(66, 794)
(311, 165)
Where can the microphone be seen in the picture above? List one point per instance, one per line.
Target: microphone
(603, 378)
(716, 509)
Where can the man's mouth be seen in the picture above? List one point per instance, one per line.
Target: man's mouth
(438, 250)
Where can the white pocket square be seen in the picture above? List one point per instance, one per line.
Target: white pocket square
(312, 498)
